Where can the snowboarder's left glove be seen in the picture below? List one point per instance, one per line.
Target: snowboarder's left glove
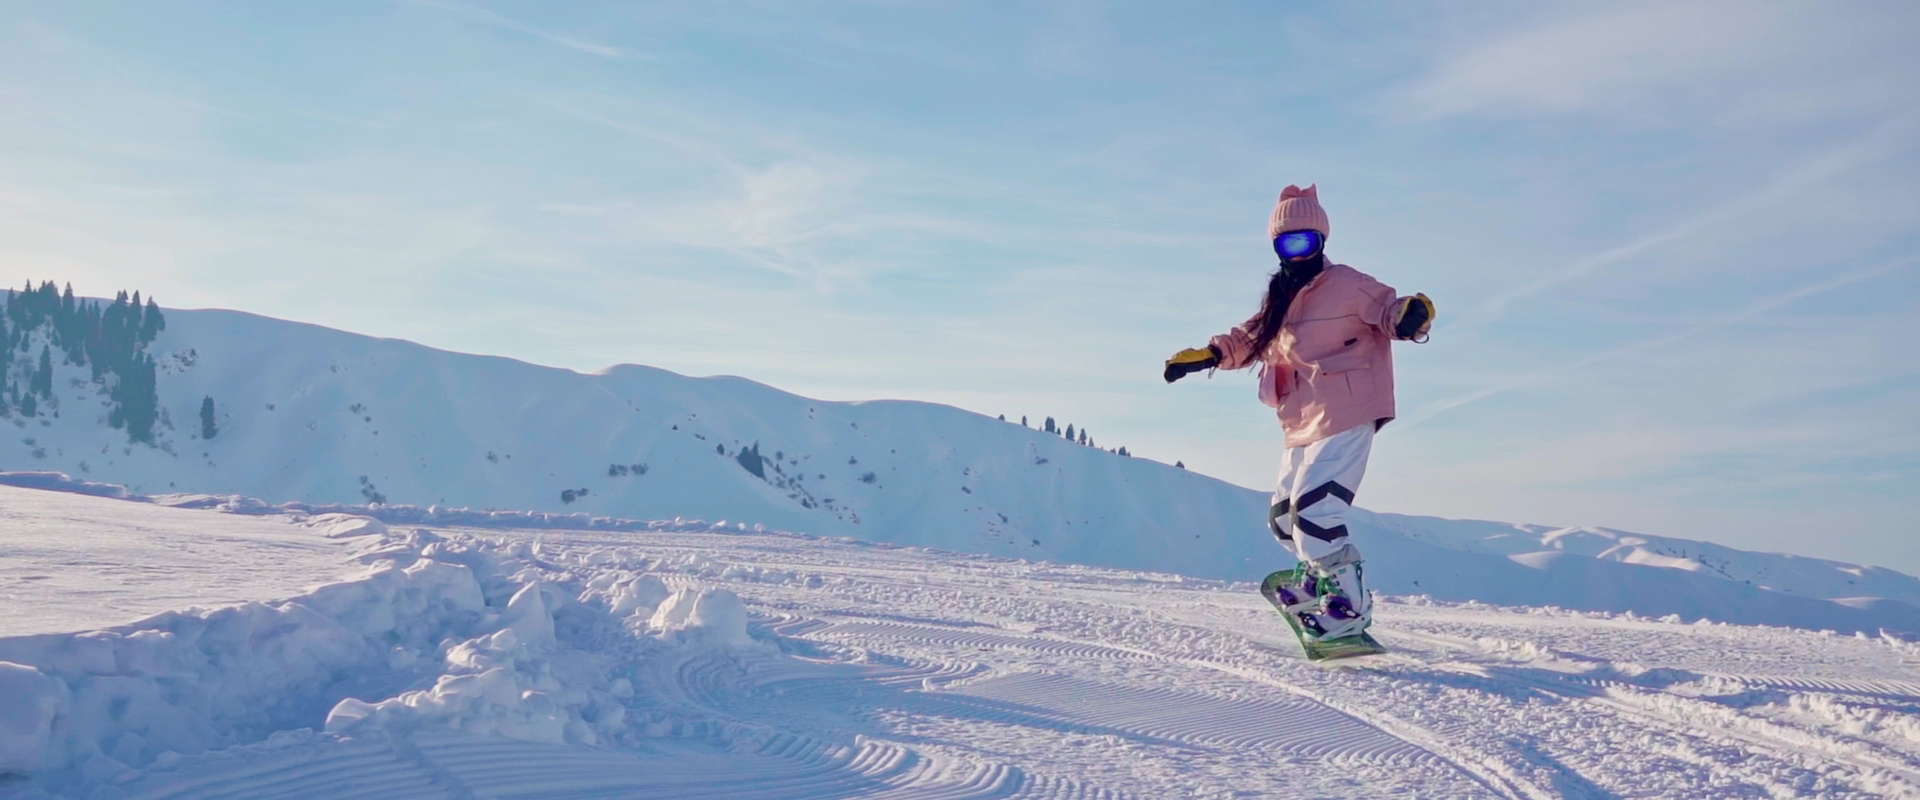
(1191, 360)
(1412, 316)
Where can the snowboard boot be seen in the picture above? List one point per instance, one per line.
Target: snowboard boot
(1345, 608)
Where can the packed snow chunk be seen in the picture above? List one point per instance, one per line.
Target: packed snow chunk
(29, 701)
(348, 714)
(483, 694)
(635, 594)
(346, 526)
(452, 586)
(714, 615)
(528, 618)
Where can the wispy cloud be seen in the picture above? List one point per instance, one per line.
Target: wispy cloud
(1602, 58)
(501, 21)
(1642, 62)
(1884, 141)
(765, 215)
(1744, 314)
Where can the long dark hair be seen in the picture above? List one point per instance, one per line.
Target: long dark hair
(1285, 283)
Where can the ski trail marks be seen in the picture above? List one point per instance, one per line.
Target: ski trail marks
(1690, 727)
(903, 673)
(1263, 740)
(462, 766)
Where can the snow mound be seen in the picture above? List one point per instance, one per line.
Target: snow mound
(345, 526)
(450, 633)
(61, 482)
(629, 594)
(439, 516)
(527, 617)
(494, 684)
(29, 702)
(715, 616)
(196, 680)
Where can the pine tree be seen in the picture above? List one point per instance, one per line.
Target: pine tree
(68, 325)
(6, 354)
(207, 429)
(47, 305)
(139, 401)
(1050, 428)
(152, 324)
(17, 306)
(70, 329)
(1069, 432)
(1023, 420)
(28, 406)
(43, 376)
(112, 323)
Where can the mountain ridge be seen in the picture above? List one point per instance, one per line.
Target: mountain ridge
(312, 414)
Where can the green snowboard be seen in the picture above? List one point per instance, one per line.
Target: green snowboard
(1361, 644)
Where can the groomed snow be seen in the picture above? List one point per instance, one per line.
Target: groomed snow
(107, 562)
(698, 660)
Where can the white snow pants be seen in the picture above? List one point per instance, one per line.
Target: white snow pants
(1317, 482)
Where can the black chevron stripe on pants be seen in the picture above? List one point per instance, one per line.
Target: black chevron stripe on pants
(1316, 487)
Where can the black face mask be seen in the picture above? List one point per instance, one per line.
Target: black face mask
(1294, 276)
(1305, 269)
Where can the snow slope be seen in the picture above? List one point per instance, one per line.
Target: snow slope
(322, 416)
(695, 660)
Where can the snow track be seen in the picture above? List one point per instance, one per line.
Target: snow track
(563, 665)
(461, 766)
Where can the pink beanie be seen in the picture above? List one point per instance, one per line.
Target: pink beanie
(1299, 210)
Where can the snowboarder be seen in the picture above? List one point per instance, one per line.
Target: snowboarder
(1322, 339)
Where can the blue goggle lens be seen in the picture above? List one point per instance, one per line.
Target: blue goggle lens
(1294, 244)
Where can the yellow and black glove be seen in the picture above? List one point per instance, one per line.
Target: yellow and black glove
(1412, 317)
(1191, 360)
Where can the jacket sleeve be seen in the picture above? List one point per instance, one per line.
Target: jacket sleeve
(1236, 346)
(1377, 302)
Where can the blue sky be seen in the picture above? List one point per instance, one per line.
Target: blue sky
(1674, 245)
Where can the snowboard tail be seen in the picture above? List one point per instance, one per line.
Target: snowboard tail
(1361, 644)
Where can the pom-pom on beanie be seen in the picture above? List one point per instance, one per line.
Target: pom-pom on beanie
(1298, 210)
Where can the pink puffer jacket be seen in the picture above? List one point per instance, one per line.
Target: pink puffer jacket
(1331, 367)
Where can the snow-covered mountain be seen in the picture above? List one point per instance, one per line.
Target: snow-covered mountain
(305, 413)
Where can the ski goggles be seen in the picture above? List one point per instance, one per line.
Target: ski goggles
(1294, 244)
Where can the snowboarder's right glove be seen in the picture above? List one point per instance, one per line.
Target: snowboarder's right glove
(1412, 316)
(1191, 360)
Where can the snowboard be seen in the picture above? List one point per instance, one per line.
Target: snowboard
(1361, 644)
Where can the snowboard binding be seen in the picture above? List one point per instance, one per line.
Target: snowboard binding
(1326, 606)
